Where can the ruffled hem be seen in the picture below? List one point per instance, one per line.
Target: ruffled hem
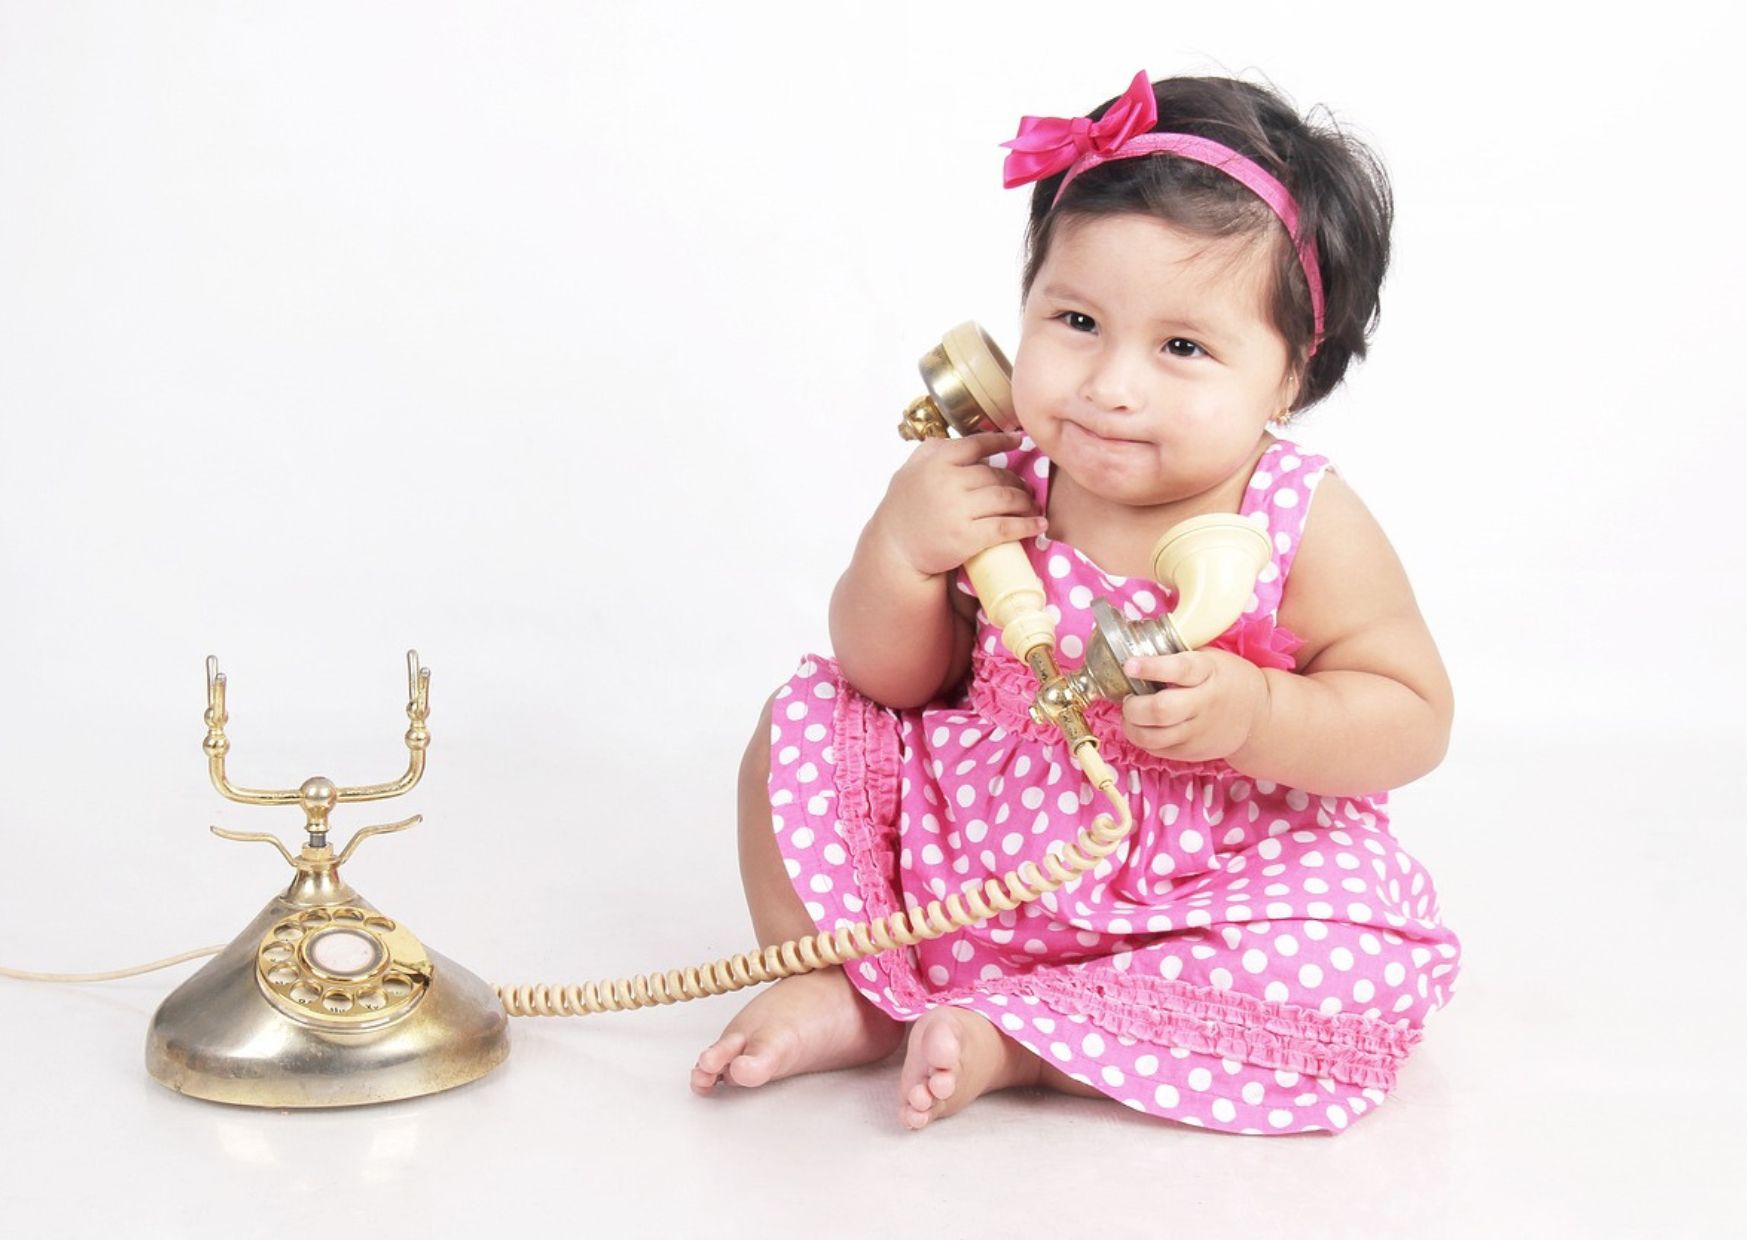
(868, 778)
(1343, 1046)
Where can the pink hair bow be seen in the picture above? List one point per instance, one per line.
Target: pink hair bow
(1046, 145)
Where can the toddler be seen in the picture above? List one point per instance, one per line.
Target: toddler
(1259, 954)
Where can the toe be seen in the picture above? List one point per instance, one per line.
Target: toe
(942, 1084)
(750, 1070)
(716, 1057)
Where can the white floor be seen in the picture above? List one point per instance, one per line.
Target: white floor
(1586, 1080)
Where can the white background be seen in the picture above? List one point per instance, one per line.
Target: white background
(565, 343)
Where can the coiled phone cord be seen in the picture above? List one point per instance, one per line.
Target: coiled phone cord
(835, 947)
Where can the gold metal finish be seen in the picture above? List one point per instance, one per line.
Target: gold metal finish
(318, 795)
(323, 1000)
(969, 385)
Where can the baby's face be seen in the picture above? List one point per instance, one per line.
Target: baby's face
(1147, 368)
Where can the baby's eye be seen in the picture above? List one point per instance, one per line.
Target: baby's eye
(1177, 346)
(1076, 321)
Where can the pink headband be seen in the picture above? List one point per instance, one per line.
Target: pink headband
(1046, 145)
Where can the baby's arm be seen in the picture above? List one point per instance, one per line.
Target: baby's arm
(901, 633)
(1369, 707)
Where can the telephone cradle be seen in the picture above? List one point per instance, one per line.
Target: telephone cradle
(323, 1000)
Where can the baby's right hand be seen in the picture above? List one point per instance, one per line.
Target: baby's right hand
(945, 503)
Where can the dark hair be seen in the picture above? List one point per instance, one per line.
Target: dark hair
(1341, 188)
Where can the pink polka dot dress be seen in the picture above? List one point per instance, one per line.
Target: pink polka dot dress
(1252, 958)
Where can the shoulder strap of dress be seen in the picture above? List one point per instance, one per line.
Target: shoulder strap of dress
(1277, 499)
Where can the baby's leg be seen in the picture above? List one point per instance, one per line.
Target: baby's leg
(812, 1022)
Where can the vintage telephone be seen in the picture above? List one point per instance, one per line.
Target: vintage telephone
(323, 1000)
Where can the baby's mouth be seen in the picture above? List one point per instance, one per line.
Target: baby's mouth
(1112, 440)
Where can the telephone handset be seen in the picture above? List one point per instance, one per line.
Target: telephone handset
(323, 1000)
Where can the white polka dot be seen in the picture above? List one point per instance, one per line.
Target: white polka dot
(1220, 979)
(1276, 992)
(1255, 961)
(1394, 973)
(1059, 567)
(1061, 1051)
(1224, 1111)
(1200, 1079)
(1112, 1076)
(1337, 1117)
(1012, 842)
(1169, 966)
(803, 837)
(1190, 841)
(1310, 976)
(1147, 1065)
(1166, 1097)
(1280, 1119)
(1341, 958)
(1253, 1092)
(1363, 990)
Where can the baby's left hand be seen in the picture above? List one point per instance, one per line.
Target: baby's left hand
(1214, 702)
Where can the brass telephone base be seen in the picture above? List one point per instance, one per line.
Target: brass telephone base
(325, 1006)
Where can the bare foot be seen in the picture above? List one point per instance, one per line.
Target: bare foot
(812, 1022)
(953, 1057)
